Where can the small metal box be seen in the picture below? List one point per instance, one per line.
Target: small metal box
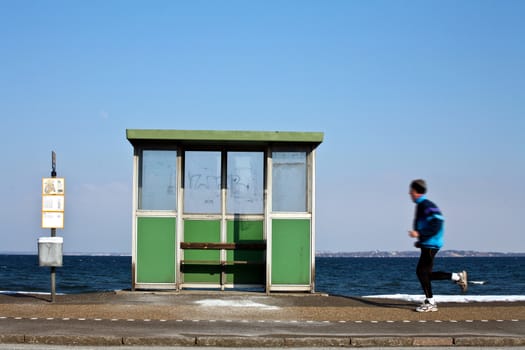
(50, 251)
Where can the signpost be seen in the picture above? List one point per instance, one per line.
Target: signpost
(53, 199)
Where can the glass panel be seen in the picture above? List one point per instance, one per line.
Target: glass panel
(245, 183)
(158, 190)
(202, 182)
(289, 181)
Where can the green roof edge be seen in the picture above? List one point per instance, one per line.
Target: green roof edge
(223, 135)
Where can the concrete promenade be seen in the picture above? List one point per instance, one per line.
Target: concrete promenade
(190, 318)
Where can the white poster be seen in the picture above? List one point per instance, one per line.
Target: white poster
(53, 219)
(53, 203)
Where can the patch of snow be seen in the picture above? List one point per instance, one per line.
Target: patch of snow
(451, 298)
(234, 303)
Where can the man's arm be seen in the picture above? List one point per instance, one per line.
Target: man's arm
(434, 226)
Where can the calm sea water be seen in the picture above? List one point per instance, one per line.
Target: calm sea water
(338, 276)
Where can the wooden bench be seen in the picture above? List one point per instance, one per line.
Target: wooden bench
(221, 262)
(220, 246)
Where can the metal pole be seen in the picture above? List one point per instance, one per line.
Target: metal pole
(53, 273)
(53, 232)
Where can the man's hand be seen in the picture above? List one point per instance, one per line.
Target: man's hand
(413, 234)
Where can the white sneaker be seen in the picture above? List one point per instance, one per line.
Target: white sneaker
(462, 282)
(427, 307)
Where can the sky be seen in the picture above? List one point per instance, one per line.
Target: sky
(400, 89)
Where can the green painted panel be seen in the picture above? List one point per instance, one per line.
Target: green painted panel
(202, 231)
(291, 251)
(156, 250)
(246, 232)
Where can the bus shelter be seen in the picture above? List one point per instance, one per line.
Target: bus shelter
(223, 209)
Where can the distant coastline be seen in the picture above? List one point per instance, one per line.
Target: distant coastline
(413, 254)
(329, 254)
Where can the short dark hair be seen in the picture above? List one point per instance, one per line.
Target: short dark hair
(419, 185)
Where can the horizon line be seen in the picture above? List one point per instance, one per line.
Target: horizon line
(375, 251)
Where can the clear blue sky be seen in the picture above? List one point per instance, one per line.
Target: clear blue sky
(401, 89)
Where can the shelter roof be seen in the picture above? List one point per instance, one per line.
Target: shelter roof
(143, 136)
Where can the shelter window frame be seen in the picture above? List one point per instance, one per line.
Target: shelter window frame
(245, 174)
(202, 182)
(291, 181)
(154, 164)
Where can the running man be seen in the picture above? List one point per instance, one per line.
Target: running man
(429, 229)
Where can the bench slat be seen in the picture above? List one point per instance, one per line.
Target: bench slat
(227, 246)
(217, 262)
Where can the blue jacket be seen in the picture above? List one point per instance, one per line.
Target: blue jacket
(430, 224)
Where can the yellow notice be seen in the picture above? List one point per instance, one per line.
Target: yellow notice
(53, 202)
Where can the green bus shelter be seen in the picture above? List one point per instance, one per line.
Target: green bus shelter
(223, 209)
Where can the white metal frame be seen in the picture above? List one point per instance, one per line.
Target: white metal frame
(223, 216)
(267, 216)
(309, 214)
(138, 213)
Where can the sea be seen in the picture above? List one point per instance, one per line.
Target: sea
(343, 276)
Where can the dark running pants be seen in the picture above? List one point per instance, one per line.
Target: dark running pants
(424, 271)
